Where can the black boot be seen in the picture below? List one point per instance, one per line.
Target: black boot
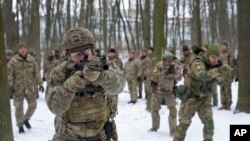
(27, 124)
(21, 130)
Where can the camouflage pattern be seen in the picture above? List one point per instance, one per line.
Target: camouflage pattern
(142, 80)
(22, 74)
(164, 91)
(80, 112)
(198, 79)
(214, 88)
(48, 66)
(226, 71)
(185, 60)
(117, 61)
(149, 68)
(131, 72)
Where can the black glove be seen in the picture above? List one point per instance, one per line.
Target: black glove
(145, 78)
(97, 66)
(41, 88)
(236, 79)
(171, 69)
(44, 79)
(153, 84)
(139, 78)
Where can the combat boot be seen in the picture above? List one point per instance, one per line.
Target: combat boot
(21, 130)
(27, 124)
(152, 130)
(221, 108)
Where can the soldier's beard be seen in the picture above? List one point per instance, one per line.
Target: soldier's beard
(24, 56)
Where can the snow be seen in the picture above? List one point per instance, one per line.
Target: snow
(133, 122)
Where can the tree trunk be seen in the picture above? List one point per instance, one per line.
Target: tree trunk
(6, 133)
(243, 103)
(105, 26)
(223, 20)
(34, 30)
(147, 25)
(212, 20)
(11, 34)
(68, 15)
(159, 28)
(196, 35)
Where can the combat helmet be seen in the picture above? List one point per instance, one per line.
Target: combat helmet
(168, 56)
(77, 38)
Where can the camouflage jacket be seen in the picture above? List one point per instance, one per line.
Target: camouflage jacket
(166, 77)
(23, 72)
(80, 112)
(48, 66)
(132, 69)
(117, 61)
(199, 78)
(226, 70)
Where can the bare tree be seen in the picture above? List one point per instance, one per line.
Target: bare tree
(196, 35)
(159, 28)
(6, 133)
(243, 103)
(12, 37)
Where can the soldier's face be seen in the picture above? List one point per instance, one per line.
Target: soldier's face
(143, 53)
(77, 56)
(223, 47)
(111, 55)
(131, 55)
(150, 52)
(22, 51)
(213, 59)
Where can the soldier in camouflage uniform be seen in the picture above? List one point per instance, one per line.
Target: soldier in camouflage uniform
(214, 86)
(78, 90)
(115, 64)
(226, 71)
(9, 55)
(49, 65)
(131, 73)
(141, 80)
(198, 92)
(149, 67)
(113, 57)
(185, 59)
(165, 75)
(23, 72)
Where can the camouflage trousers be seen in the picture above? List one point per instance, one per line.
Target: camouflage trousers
(20, 95)
(215, 94)
(226, 94)
(188, 109)
(148, 90)
(156, 106)
(132, 86)
(67, 131)
(101, 137)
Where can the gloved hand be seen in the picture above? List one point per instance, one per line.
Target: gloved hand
(41, 88)
(90, 71)
(153, 84)
(145, 78)
(44, 79)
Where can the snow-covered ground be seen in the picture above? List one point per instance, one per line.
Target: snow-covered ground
(133, 122)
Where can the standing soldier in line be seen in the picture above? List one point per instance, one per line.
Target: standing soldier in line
(148, 72)
(113, 57)
(78, 89)
(196, 93)
(115, 64)
(22, 73)
(165, 75)
(214, 85)
(141, 80)
(185, 59)
(49, 65)
(226, 71)
(131, 73)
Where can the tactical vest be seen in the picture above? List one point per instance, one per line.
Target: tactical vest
(88, 111)
(200, 87)
(166, 80)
